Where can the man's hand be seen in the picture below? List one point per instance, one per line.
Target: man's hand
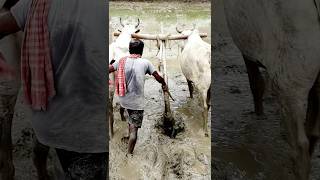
(111, 69)
(164, 87)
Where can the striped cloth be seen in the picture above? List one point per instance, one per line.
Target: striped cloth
(121, 87)
(36, 68)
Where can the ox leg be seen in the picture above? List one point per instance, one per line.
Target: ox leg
(293, 105)
(40, 156)
(205, 114)
(190, 86)
(313, 116)
(111, 118)
(256, 84)
(209, 97)
(7, 103)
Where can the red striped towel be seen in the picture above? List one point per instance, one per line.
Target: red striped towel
(121, 88)
(36, 68)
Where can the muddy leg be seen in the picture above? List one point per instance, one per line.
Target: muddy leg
(111, 118)
(256, 84)
(40, 156)
(313, 116)
(209, 98)
(190, 86)
(294, 115)
(110, 109)
(205, 114)
(122, 114)
(7, 103)
(133, 134)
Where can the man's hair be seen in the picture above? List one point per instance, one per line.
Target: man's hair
(136, 46)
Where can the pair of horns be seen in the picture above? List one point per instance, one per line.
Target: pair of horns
(135, 26)
(180, 31)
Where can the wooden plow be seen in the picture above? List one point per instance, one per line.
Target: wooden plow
(162, 42)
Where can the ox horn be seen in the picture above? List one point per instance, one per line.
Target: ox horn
(194, 26)
(121, 22)
(138, 23)
(179, 31)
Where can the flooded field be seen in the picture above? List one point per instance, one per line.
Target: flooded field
(245, 146)
(157, 156)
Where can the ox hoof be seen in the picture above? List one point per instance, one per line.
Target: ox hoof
(125, 140)
(206, 134)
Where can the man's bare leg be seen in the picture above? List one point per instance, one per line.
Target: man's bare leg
(133, 134)
(40, 156)
(7, 104)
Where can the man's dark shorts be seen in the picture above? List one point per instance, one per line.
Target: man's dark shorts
(135, 117)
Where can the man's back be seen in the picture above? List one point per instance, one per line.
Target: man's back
(135, 71)
(76, 116)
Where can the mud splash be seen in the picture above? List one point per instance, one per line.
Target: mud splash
(156, 155)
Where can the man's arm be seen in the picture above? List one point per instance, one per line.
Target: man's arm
(160, 80)
(8, 24)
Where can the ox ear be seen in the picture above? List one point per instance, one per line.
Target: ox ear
(137, 31)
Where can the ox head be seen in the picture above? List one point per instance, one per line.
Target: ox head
(187, 32)
(130, 28)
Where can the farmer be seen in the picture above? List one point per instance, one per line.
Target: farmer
(130, 86)
(64, 53)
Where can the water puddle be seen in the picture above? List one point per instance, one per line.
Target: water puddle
(242, 158)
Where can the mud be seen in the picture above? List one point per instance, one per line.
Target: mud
(22, 136)
(245, 146)
(157, 156)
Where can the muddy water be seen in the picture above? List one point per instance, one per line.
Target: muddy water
(156, 156)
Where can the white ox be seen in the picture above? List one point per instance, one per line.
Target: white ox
(195, 63)
(284, 37)
(117, 50)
